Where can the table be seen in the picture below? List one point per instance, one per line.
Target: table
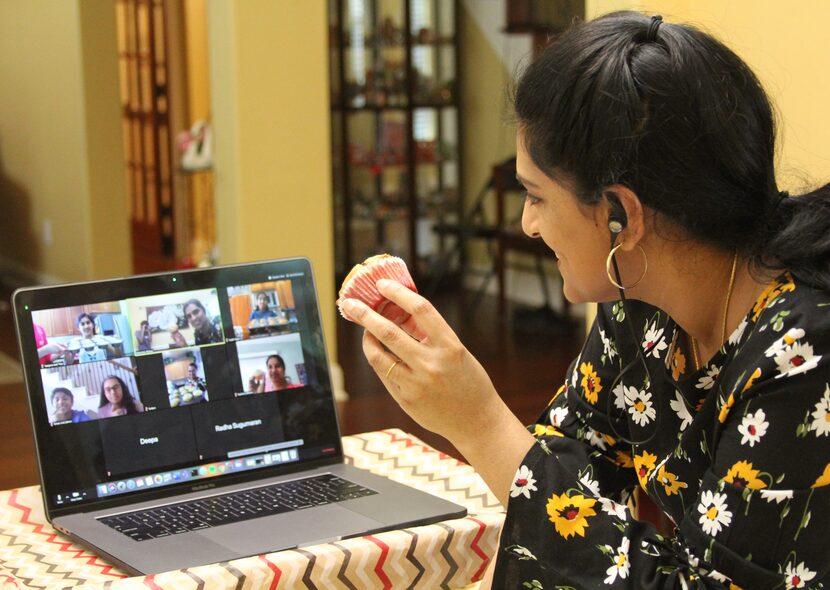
(450, 554)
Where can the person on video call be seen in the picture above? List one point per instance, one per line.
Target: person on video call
(262, 312)
(275, 380)
(116, 399)
(47, 351)
(89, 346)
(647, 150)
(62, 401)
(144, 337)
(205, 329)
(193, 379)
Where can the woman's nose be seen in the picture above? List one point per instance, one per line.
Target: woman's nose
(529, 225)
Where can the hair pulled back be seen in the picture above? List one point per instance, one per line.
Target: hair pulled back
(683, 122)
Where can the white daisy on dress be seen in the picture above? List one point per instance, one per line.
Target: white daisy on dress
(653, 341)
(595, 439)
(590, 484)
(821, 415)
(614, 508)
(608, 346)
(678, 404)
(795, 359)
(714, 514)
(798, 575)
(621, 564)
(708, 380)
(777, 495)
(557, 414)
(619, 396)
(753, 427)
(786, 340)
(736, 336)
(523, 483)
(639, 405)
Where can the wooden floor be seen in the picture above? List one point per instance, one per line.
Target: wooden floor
(526, 357)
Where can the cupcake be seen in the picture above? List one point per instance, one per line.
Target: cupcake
(361, 282)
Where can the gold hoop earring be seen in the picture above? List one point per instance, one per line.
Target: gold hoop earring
(608, 267)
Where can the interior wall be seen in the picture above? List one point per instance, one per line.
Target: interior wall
(269, 86)
(61, 166)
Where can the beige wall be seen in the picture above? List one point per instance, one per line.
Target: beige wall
(61, 164)
(270, 109)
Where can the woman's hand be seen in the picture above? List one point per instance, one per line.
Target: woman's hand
(435, 379)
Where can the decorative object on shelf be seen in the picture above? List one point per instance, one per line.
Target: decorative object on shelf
(196, 145)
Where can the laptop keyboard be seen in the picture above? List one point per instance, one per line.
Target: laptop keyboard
(233, 507)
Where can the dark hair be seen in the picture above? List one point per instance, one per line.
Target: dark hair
(63, 390)
(82, 316)
(127, 400)
(279, 360)
(194, 365)
(144, 322)
(683, 122)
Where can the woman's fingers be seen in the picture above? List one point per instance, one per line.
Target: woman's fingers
(388, 367)
(426, 316)
(388, 333)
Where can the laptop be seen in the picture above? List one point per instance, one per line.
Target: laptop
(187, 418)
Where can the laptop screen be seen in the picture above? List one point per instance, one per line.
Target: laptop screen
(145, 384)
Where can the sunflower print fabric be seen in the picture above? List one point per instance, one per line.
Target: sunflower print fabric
(736, 454)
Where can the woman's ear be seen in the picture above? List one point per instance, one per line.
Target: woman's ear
(624, 215)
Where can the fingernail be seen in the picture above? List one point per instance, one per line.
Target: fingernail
(347, 304)
(382, 283)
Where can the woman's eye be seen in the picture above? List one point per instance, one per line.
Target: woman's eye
(531, 199)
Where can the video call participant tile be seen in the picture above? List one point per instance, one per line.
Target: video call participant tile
(141, 442)
(236, 425)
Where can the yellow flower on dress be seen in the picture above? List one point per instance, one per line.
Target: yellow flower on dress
(678, 363)
(591, 383)
(823, 479)
(559, 391)
(623, 459)
(752, 378)
(669, 481)
(545, 430)
(644, 464)
(724, 411)
(570, 514)
(772, 291)
(742, 475)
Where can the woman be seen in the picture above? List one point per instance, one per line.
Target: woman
(262, 312)
(116, 400)
(62, 401)
(205, 330)
(647, 148)
(89, 346)
(276, 379)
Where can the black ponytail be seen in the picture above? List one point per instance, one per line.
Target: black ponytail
(680, 119)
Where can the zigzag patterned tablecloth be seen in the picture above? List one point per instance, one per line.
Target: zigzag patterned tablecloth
(451, 554)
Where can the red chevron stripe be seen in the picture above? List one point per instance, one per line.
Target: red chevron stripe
(8, 580)
(384, 551)
(410, 443)
(277, 572)
(91, 559)
(150, 582)
(477, 550)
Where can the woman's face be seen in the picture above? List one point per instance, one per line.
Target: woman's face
(86, 327)
(62, 403)
(574, 231)
(113, 392)
(195, 316)
(262, 302)
(276, 372)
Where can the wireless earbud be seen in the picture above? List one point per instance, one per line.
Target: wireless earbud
(617, 219)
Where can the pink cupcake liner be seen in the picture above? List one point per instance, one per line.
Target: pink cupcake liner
(361, 281)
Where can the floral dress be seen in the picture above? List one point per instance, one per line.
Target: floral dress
(735, 454)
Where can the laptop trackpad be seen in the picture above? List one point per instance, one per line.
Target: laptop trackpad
(292, 529)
